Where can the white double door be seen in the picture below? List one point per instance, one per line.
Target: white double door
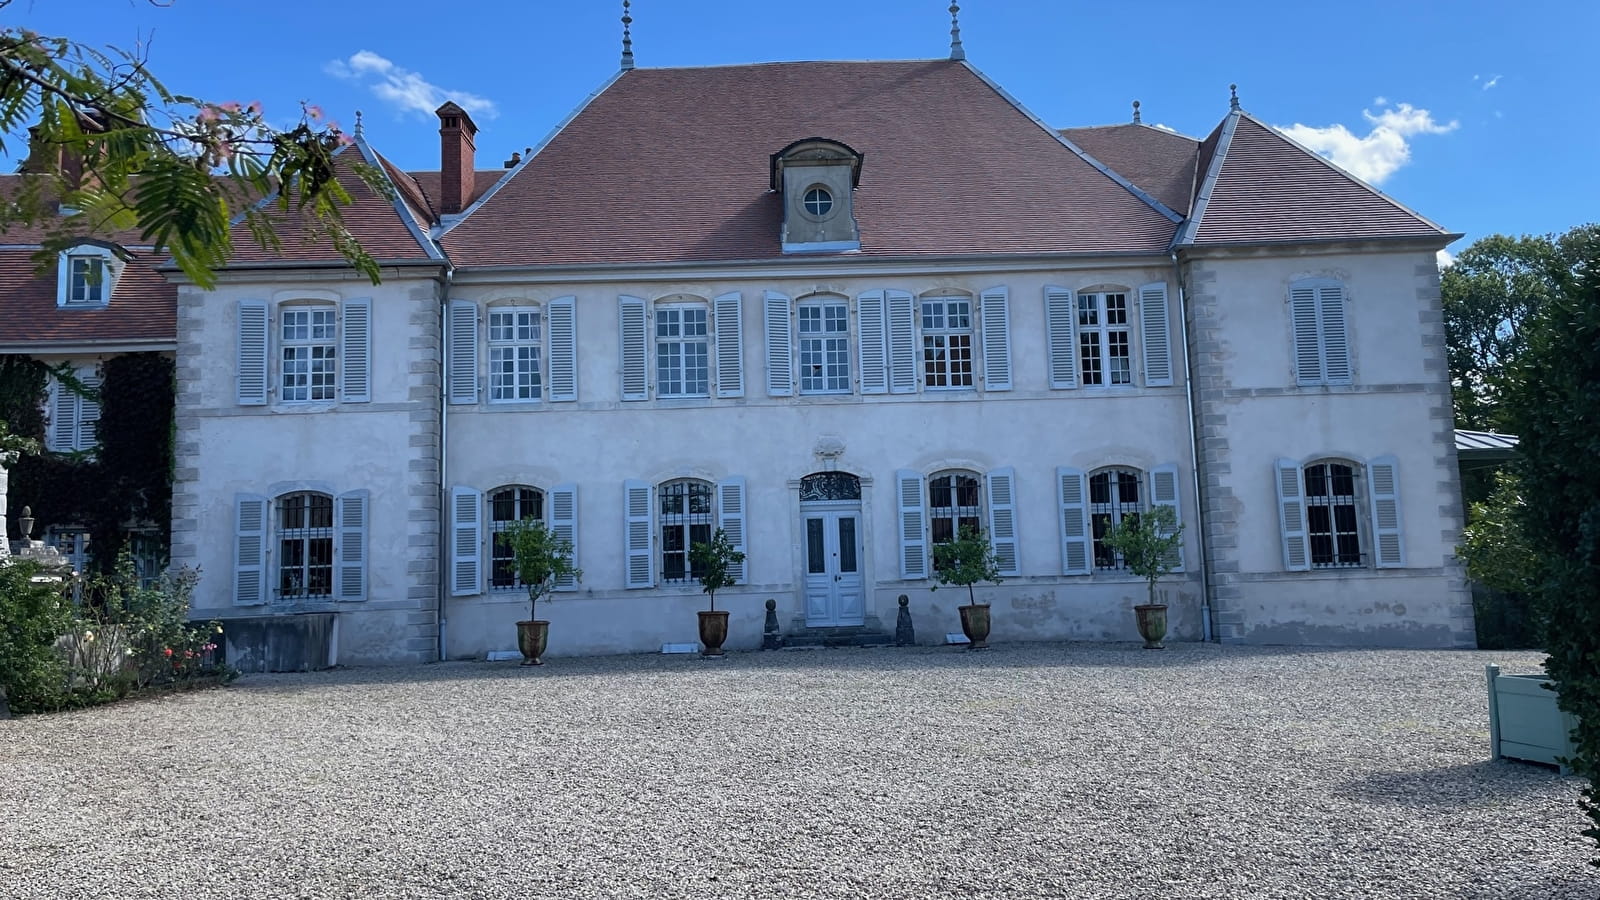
(831, 535)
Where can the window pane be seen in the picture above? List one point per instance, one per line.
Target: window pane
(816, 557)
(847, 544)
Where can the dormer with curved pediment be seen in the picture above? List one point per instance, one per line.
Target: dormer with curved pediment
(816, 178)
(86, 274)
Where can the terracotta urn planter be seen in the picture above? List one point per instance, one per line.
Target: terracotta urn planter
(1152, 618)
(532, 637)
(975, 624)
(713, 631)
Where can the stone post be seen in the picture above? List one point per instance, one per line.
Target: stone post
(770, 638)
(904, 634)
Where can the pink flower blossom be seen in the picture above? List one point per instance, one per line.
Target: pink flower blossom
(345, 140)
(231, 106)
(314, 112)
(255, 107)
(208, 114)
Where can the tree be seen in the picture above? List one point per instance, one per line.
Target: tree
(1149, 543)
(1551, 397)
(542, 558)
(109, 140)
(713, 560)
(966, 561)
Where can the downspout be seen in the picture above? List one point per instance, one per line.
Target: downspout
(1207, 631)
(444, 455)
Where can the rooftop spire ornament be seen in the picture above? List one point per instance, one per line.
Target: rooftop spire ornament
(956, 50)
(627, 36)
(1233, 102)
(358, 123)
(1136, 119)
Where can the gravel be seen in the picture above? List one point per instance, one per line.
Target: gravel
(1042, 770)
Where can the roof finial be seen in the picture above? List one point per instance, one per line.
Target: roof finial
(627, 37)
(359, 132)
(1233, 102)
(1136, 112)
(956, 50)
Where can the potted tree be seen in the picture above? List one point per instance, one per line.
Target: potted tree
(1149, 544)
(966, 561)
(541, 557)
(713, 559)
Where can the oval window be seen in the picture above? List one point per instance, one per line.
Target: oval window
(818, 201)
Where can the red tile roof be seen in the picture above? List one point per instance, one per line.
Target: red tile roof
(671, 165)
(1161, 163)
(428, 184)
(1269, 189)
(142, 307)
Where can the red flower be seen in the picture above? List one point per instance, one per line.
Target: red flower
(167, 652)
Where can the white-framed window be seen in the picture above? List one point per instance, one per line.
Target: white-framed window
(685, 517)
(516, 341)
(507, 505)
(1115, 494)
(304, 546)
(303, 352)
(1321, 339)
(307, 353)
(1105, 353)
(947, 342)
(824, 332)
(86, 276)
(683, 350)
(818, 201)
(934, 509)
(1338, 513)
(73, 415)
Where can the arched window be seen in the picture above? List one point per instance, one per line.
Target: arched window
(683, 350)
(685, 519)
(305, 546)
(824, 325)
(1114, 494)
(1332, 521)
(507, 505)
(953, 504)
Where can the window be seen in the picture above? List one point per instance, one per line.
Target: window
(305, 546)
(1103, 344)
(685, 519)
(1321, 343)
(509, 505)
(86, 275)
(952, 505)
(73, 415)
(824, 348)
(515, 337)
(947, 342)
(683, 366)
(1113, 497)
(818, 201)
(1340, 514)
(86, 280)
(1331, 520)
(307, 335)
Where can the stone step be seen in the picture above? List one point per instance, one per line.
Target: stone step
(837, 637)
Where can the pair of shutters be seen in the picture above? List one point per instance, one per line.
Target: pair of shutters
(469, 525)
(1321, 341)
(1155, 333)
(638, 528)
(354, 345)
(727, 328)
(73, 417)
(1383, 499)
(916, 556)
(1077, 533)
(251, 557)
(461, 350)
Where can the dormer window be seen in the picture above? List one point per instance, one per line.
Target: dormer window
(87, 276)
(819, 202)
(816, 178)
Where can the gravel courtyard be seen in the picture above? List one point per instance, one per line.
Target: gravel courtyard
(1051, 770)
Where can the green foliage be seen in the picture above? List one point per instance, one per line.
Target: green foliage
(33, 675)
(1550, 399)
(541, 556)
(712, 559)
(966, 561)
(1496, 550)
(149, 159)
(1149, 543)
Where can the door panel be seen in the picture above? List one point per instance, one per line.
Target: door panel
(819, 582)
(834, 594)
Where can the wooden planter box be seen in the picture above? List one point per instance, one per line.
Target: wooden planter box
(1524, 722)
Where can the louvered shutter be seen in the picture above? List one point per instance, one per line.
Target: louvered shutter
(462, 347)
(1383, 490)
(355, 351)
(1335, 341)
(1072, 499)
(250, 549)
(1059, 318)
(870, 335)
(1003, 520)
(562, 313)
(350, 510)
(466, 541)
(1156, 331)
(994, 306)
(251, 387)
(63, 433)
(780, 346)
(902, 341)
(731, 519)
(1307, 335)
(636, 532)
(89, 410)
(1164, 492)
(913, 529)
(1292, 516)
(634, 326)
(564, 523)
(729, 312)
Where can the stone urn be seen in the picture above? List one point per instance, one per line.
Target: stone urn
(533, 635)
(975, 624)
(713, 631)
(1152, 620)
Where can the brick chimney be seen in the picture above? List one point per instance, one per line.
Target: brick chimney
(456, 148)
(65, 160)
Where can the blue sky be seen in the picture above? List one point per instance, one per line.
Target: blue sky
(1480, 116)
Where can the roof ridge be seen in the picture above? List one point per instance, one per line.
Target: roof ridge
(397, 201)
(1146, 125)
(1191, 227)
(795, 62)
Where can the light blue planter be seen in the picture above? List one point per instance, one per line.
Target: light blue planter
(1524, 722)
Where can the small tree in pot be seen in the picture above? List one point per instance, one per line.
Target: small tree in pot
(966, 561)
(713, 561)
(542, 558)
(1149, 544)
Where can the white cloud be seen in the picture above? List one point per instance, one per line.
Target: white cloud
(1494, 80)
(1166, 128)
(1446, 259)
(1378, 154)
(1380, 100)
(405, 89)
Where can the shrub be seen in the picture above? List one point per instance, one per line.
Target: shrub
(1505, 566)
(966, 561)
(713, 560)
(33, 615)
